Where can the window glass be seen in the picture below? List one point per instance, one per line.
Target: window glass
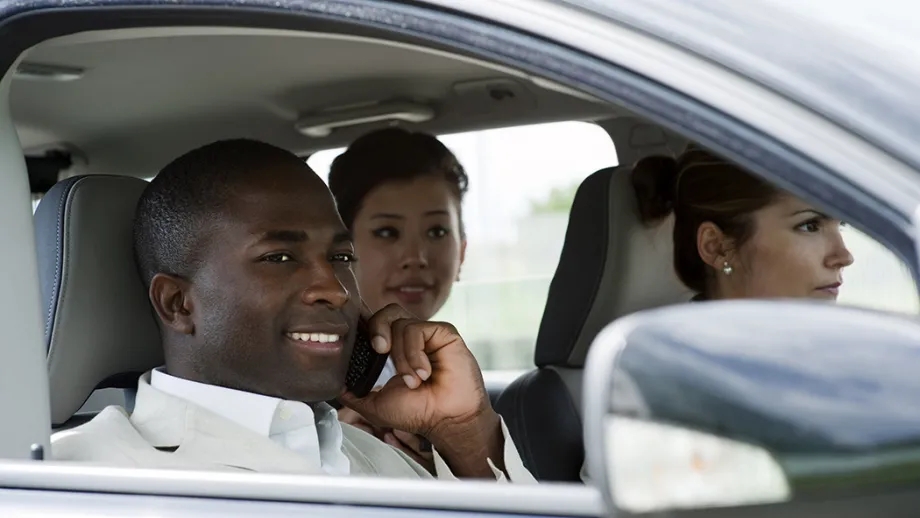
(522, 182)
(877, 278)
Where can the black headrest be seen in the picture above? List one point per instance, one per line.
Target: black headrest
(611, 265)
(100, 330)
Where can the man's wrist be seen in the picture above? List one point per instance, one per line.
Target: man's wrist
(467, 445)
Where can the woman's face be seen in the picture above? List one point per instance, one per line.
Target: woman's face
(407, 240)
(795, 252)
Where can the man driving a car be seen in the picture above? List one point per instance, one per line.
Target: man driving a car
(249, 270)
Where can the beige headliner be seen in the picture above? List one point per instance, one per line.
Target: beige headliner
(150, 94)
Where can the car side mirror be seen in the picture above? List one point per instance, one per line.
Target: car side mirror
(755, 405)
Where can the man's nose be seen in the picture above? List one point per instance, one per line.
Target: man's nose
(324, 287)
(840, 256)
(415, 255)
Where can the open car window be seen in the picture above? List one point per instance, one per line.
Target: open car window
(516, 215)
(522, 183)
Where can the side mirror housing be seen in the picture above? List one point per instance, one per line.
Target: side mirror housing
(746, 404)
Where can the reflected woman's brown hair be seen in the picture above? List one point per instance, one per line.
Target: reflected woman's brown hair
(698, 187)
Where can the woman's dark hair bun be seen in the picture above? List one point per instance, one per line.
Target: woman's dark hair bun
(654, 178)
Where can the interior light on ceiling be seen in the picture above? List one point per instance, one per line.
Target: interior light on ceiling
(46, 72)
(323, 123)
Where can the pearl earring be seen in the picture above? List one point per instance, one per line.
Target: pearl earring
(727, 268)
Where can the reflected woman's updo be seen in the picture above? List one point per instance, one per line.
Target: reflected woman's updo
(699, 186)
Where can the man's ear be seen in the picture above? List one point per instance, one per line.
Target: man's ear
(170, 298)
(712, 244)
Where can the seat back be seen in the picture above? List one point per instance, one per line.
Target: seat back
(611, 265)
(100, 331)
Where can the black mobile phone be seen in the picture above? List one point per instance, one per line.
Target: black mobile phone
(365, 365)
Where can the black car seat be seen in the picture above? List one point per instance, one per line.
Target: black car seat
(100, 331)
(611, 265)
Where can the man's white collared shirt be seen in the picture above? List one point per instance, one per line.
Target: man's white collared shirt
(292, 424)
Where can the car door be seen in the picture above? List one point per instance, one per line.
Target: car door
(638, 56)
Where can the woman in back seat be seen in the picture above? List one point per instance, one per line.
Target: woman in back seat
(400, 193)
(736, 236)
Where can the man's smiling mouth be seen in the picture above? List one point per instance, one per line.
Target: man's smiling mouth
(314, 337)
(317, 343)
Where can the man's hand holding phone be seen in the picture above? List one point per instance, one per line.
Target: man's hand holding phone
(439, 393)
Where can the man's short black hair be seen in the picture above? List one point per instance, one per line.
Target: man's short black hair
(182, 200)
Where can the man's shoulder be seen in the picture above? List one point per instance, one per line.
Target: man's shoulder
(110, 420)
(109, 436)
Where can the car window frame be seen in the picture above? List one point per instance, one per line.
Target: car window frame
(697, 114)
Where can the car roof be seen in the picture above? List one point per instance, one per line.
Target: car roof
(855, 61)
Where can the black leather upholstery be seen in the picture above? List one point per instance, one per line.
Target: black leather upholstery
(544, 422)
(100, 330)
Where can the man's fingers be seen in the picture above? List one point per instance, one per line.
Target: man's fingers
(391, 439)
(380, 324)
(408, 352)
(398, 353)
(409, 342)
(414, 344)
(413, 441)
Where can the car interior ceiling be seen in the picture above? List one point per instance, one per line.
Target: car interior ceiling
(137, 98)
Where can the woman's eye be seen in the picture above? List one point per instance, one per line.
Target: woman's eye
(810, 226)
(280, 257)
(438, 232)
(344, 257)
(386, 233)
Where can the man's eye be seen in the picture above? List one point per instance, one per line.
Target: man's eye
(344, 257)
(278, 258)
(438, 232)
(386, 233)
